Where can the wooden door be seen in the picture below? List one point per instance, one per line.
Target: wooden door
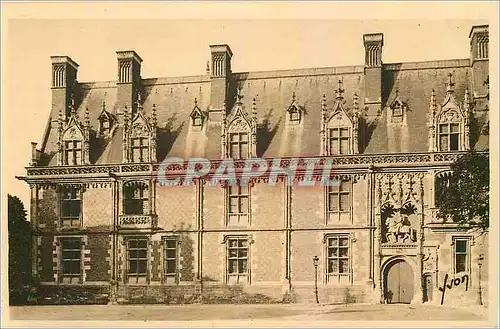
(399, 283)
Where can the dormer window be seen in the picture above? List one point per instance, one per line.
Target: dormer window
(197, 117)
(339, 133)
(294, 112)
(449, 136)
(239, 138)
(140, 137)
(449, 122)
(105, 122)
(339, 139)
(72, 152)
(238, 145)
(397, 110)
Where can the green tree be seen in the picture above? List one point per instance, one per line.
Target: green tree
(19, 249)
(463, 196)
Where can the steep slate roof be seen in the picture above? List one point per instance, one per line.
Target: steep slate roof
(174, 100)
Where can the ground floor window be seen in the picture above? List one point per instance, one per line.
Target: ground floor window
(137, 252)
(71, 260)
(461, 254)
(171, 259)
(237, 260)
(337, 257)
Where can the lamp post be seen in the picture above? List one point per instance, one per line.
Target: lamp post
(480, 292)
(315, 262)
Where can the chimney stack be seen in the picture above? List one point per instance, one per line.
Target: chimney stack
(128, 82)
(479, 59)
(373, 72)
(220, 76)
(64, 79)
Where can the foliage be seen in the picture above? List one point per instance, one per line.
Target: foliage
(19, 250)
(463, 196)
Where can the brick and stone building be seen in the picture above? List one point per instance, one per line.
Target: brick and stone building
(104, 222)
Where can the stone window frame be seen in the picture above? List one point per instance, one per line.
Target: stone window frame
(143, 148)
(74, 150)
(241, 152)
(468, 253)
(59, 278)
(165, 277)
(334, 217)
(335, 278)
(449, 133)
(248, 273)
(126, 267)
(339, 138)
(79, 190)
(227, 204)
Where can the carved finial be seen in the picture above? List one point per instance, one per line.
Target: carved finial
(254, 109)
(195, 102)
(239, 96)
(104, 105)
(339, 91)
(153, 115)
(87, 117)
(467, 98)
(208, 67)
(72, 106)
(293, 97)
(139, 101)
(450, 84)
(433, 99)
(397, 92)
(125, 115)
(355, 103)
(323, 106)
(60, 121)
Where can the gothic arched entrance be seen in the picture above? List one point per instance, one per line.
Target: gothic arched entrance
(398, 282)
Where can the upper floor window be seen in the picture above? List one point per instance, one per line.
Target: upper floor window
(338, 197)
(137, 252)
(238, 204)
(71, 260)
(238, 145)
(337, 258)
(71, 206)
(461, 254)
(136, 197)
(237, 260)
(139, 149)
(339, 140)
(449, 136)
(73, 152)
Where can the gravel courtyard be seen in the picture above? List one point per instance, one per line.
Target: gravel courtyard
(247, 312)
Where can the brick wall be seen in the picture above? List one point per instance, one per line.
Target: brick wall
(100, 268)
(176, 207)
(97, 207)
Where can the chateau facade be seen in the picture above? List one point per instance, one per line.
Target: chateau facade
(104, 222)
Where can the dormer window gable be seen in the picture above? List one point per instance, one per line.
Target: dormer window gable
(339, 133)
(139, 137)
(397, 109)
(198, 117)
(106, 122)
(73, 139)
(239, 136)
(294, 112)
(449, 122)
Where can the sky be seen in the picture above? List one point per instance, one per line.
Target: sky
(177, 47)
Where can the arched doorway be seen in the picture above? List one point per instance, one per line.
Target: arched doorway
(398, 282)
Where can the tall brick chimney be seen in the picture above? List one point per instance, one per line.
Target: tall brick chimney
(479, 60)
(64, 78)
(128, 82)
(373, 72)
(220, 76)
